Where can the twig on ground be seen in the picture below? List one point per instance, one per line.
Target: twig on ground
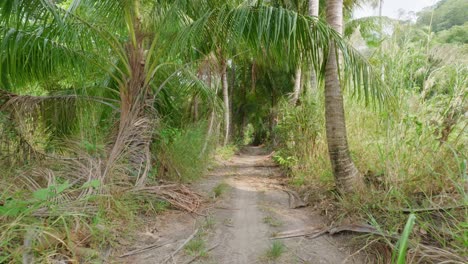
(419, 210)
(311, 234)
(301, 233)
(141, 250)
(197, 256)
(295, 201)
(171, 256)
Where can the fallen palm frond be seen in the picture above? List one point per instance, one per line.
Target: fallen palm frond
(318, 231)
(432, 254)
(295, 201)
(178, 195)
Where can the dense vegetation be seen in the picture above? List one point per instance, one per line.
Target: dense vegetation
(448, 19)
(101, 98)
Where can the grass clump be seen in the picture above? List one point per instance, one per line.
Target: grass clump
(209, 223)
(271, 221)
(220, 189)
(196, 247)
(275, 251)
(227, 152)
(181, 152)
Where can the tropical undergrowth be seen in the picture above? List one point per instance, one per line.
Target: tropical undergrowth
(411, 154)
(181, 152)
(50, 212)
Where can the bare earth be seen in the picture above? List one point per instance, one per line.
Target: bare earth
(237, 227)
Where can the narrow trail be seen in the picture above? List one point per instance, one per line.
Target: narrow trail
(238, 226)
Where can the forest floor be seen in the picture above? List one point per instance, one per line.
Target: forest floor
(238, 225)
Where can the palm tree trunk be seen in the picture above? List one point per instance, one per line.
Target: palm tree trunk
(227, 114)
(313, 11)
(253, 77)
(347, 177)
(209, 133)
(211, 122)
(232, 84)
(297, 85)
(195, 104)
(314, 8)
(133, 138)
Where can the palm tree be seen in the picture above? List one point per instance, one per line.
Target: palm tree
(136, 46)
(313, 12)
(114, 38)
(227, 108)
(314, 8)
(347, 176)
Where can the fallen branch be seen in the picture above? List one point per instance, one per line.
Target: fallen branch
(358, 228)
(301, 233)
(141, 250)
(199, 255)
(171, 256)
(314, 233)
(294, 200)
(420, 210)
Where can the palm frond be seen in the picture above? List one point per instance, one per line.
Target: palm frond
(284, 35)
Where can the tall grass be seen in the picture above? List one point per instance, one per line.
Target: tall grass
(402, 151)
(179, 152)
(44, 218)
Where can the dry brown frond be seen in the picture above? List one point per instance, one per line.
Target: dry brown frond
(178, 195)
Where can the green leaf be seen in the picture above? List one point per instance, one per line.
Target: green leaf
(403, 242)
(62, 187)
(91, 184)
(13, 208)
(42, 194)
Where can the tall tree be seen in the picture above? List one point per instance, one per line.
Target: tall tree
(347, 176)
(227, 108)
(313, 12)
(314, 8)
(137, 45)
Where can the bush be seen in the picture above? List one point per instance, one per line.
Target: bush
(179, 152)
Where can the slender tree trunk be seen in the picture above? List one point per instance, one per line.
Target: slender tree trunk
(273, 112)
(227, 114)
(211, 121)
(382, 69)
(232, 84)
(242, 113)
(297, 85)
(314, 8)
(347, 177)
(253, 77)
(380, 8)
(314, 12)
(194, 110)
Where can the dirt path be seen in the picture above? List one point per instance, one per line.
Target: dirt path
(238, 226)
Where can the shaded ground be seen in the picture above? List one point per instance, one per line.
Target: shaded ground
(237, 227)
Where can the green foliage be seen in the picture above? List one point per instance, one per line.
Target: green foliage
(403, 242)
(179, 152)
(196, 247)
(455, 34)
(271, 221)
(411, 153)
(227, 152)
(299, 131)
(444, 15)
(276, 249)
(220, 189)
